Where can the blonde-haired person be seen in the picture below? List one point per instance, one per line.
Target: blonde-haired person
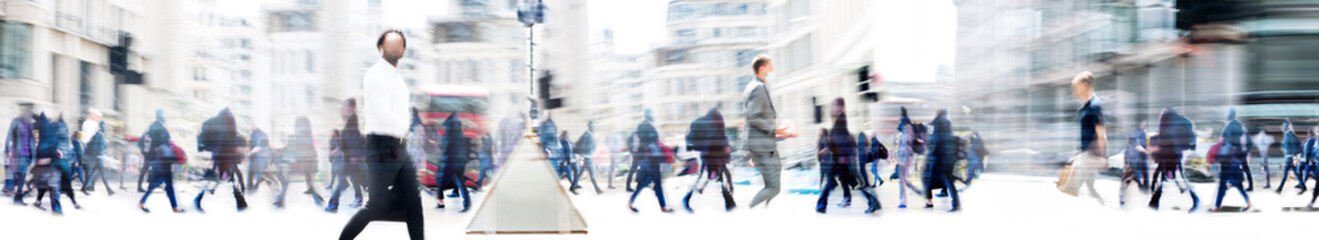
(1085, 165)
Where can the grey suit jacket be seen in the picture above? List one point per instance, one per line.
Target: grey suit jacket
(759, 113)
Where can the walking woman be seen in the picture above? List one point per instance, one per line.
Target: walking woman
(1231, 158)
(1175, 137)
(648, 166)
(301, 150)
(844, 164)
(161, 157)
(907, 145)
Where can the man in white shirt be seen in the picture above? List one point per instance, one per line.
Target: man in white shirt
(394, 191)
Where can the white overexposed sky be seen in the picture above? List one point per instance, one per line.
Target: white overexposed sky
(636, 23)
(927, 26)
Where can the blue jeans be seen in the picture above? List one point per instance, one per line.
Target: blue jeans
(161, 173)
(18, 174)
(645, 177)
(1291, 169)
(1232, 179)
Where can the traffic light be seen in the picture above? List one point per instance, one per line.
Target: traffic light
(864, 85)
(531, 12)
(543, 85)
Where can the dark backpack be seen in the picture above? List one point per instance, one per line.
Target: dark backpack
(919, 136)
(209, 138)
(878, 150)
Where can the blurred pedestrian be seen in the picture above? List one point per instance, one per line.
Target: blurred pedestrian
(1312, 155)
(485, 158)
(220, 137)
(1262, 141)
(843, 164)
(909, 142)
(551, 146)
(350, 146)
(568, 164)
(48, 168)
(259, 157)
(1085, 165)
(584, 148)
(977, 155)
(761, 131)
(20, 150)
(301, 150)
(941, 161)
(93, 131)
(707, 136)
(1176, 136)
(1136, 165)
(648, 166)
(394, 189)
(1291, 156)
(1231, 159)
(161, 156)
(454, 162)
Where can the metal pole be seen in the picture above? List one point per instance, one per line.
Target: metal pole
(531, 62)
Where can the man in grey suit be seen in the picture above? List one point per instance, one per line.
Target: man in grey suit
(760, 128)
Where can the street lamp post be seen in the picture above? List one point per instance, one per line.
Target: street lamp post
(530, 13)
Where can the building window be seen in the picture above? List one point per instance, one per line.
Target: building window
(311, 61)
(675, 56)
(798, 54)
(514, 70)
(745, 32)
(686, 36)
(718, 9)
(681, 11)
(85, 88)
(744, 57)
(15, 51)
(457, 32)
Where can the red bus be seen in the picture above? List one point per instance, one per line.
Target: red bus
(435, 103)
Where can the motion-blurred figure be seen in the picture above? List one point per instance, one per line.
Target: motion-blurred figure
(160, 155)
(1231, 158)
(93, 131)
(20, 149)
(760, 130)
(1085, 165)
(843, 162)
(219, 136)
(551, 146)
(648, 166)
(47, 171)
(942, 161)
(1176, 136)
(485, 157)
(454, 161)
(976, 158)
(395, 192)
(707, 136)
(1136, 165)
(350, 146)
(301, 153)
(1312, 156)
(567, 164)
(259, 157)
(584, 148)
(1308, 161)
(1291, 155)
(1262, 141)
(908, 143)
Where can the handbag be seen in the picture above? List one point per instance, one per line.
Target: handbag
(1067, 182)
